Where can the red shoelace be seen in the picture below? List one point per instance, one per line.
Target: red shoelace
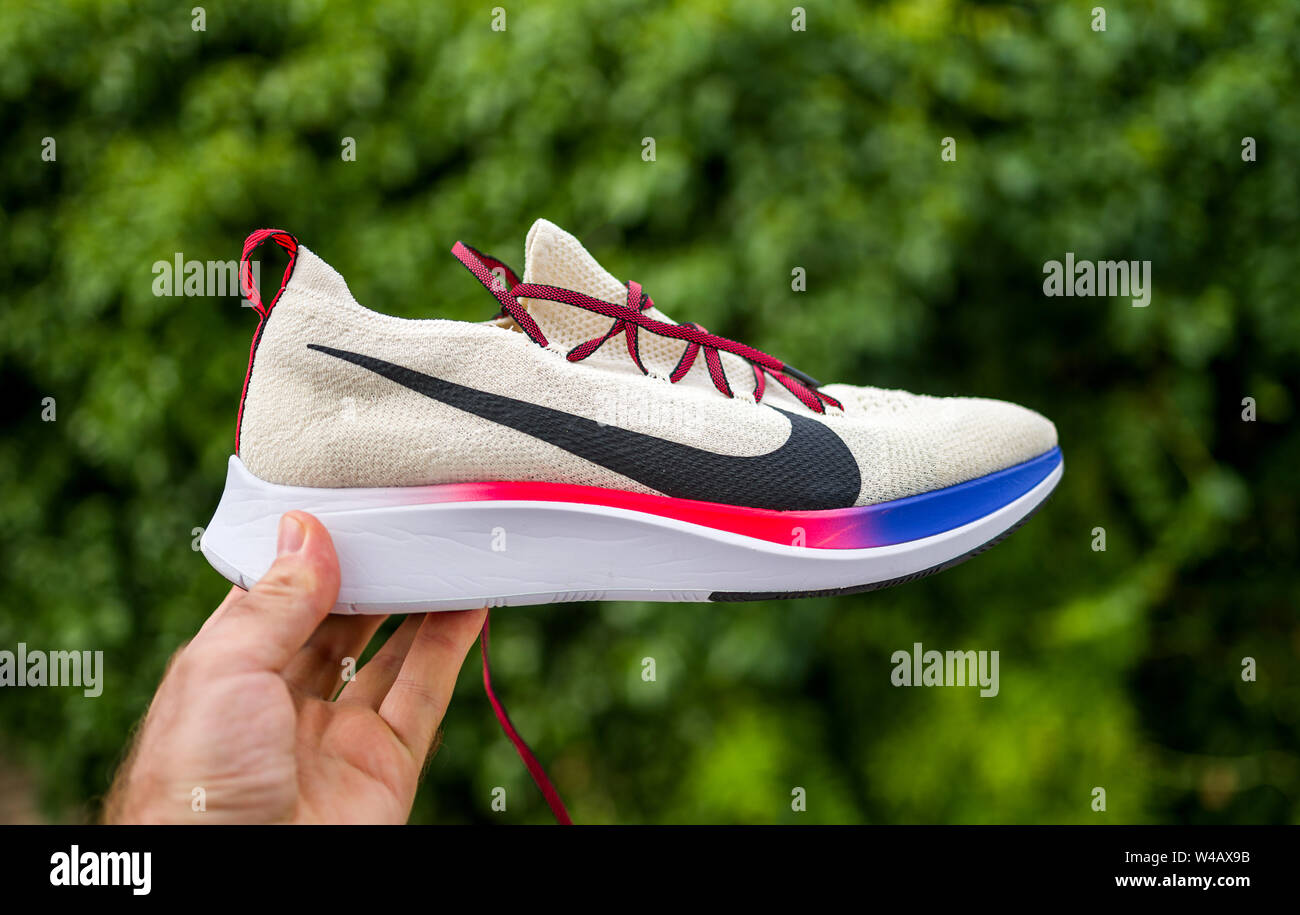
(525, 752)
(629, 319)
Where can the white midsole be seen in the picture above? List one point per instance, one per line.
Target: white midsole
(404, 558)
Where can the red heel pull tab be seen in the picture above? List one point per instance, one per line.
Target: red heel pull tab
(248, 286)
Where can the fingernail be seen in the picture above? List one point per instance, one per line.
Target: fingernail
(291, 536)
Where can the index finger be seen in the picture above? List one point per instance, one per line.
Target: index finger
(418, 699)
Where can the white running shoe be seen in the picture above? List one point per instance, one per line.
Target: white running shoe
(582, 446)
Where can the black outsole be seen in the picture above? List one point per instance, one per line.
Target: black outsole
(737, 596)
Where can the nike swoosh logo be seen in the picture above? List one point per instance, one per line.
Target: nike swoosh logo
(812, 470)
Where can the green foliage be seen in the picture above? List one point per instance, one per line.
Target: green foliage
(775, 149)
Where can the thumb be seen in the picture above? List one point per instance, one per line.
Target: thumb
(268, 625)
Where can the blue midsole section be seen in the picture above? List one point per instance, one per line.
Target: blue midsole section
(942, 510)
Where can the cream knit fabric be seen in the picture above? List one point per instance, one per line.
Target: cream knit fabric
(313, 420)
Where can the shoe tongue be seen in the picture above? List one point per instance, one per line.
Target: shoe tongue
(553, 257)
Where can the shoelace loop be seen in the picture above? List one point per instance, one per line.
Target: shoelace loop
(630, 318)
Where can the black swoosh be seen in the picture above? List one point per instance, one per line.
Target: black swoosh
(812, 470)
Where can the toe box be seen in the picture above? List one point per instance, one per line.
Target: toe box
(908, 444)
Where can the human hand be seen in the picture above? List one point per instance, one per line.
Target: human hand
(246, 711)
